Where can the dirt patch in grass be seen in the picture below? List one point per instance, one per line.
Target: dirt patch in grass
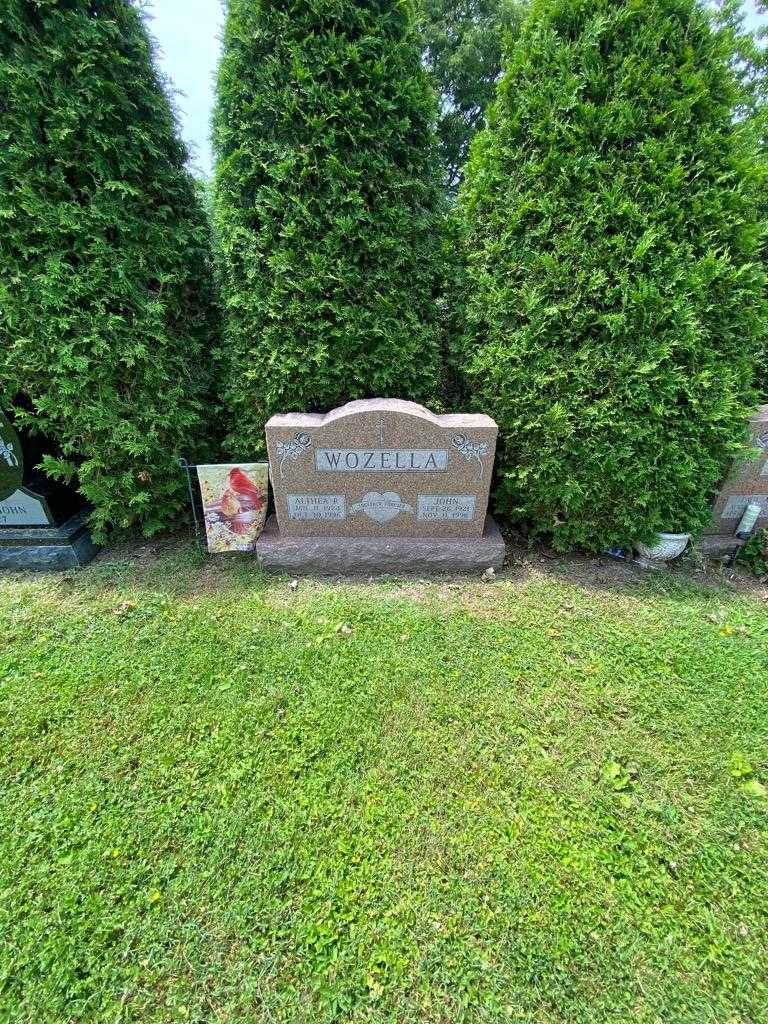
(200, 573)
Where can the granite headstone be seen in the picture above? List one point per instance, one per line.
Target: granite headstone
(747, 483)
(42, 524)
(381, 484)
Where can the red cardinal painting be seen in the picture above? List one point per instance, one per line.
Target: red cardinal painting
(241, 502)
(241, 508)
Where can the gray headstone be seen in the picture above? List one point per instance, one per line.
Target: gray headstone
(30, 538)
(22, 508)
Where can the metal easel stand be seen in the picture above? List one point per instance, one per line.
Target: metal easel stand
(187, 469)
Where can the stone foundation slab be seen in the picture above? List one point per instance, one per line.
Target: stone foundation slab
(51, 549)
(368, 556)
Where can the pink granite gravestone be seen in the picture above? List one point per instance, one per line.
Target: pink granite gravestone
(747, 483)
(381, 484)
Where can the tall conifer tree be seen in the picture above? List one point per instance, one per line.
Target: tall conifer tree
(464, 42)
(617, 299)
(328, 208)
(105, 278)
(750, 63)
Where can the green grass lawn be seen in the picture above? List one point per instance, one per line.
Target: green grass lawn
(534, 800)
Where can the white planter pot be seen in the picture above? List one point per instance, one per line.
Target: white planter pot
(667, 546)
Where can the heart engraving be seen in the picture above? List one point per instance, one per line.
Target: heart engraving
(381, 506)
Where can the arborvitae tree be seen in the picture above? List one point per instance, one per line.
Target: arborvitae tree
(613, 239)
(751, 66)
(328, 206)
(105, 278)
(463, 44)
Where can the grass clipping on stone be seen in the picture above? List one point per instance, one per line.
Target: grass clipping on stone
(532, 800)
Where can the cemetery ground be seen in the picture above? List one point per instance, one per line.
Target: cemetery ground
(539, 799)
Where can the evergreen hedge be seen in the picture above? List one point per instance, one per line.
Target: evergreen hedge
(328, 210)
(750, 63)
(616, 302)
(105, 278)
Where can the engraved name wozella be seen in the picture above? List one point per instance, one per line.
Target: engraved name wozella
(381, 460)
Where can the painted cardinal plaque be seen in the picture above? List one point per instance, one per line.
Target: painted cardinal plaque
(234, 504)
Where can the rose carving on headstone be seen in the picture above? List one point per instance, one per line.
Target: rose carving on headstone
(471, 450)
(293, 449)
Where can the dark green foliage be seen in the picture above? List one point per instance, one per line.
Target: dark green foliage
(751, 66)
(105, 285)
(463, 44)
(328, 210)
(616, 307)
(755, 554)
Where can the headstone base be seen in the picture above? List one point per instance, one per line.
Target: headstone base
(715, 545)
(51, 549)
(366, 556)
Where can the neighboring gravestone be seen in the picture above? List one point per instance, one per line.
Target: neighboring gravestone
(18, 506)
(747, 484)
(37, 530)
(381, 484)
